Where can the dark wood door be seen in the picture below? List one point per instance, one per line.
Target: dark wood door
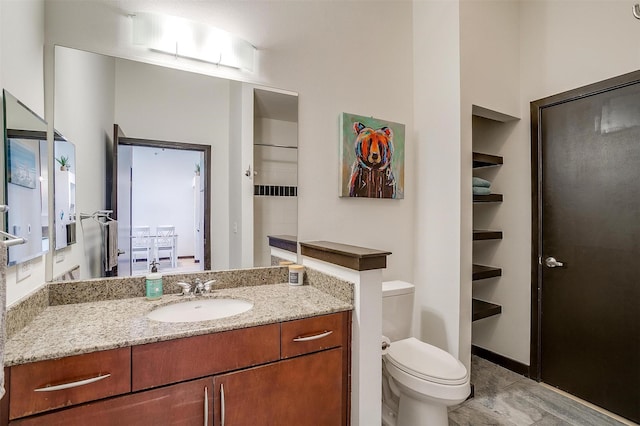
(590, 224)
(302, 391)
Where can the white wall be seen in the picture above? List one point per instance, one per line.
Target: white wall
(84, 114)
(21, 73)
(336, 66)
(439, 314)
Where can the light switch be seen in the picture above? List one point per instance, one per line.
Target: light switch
(24, 271)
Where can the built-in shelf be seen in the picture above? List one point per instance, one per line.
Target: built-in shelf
(492, 114)
(489, 198)
(485, 234)
(486, 160)
(486, 132)
(482, 309)
(481, 272)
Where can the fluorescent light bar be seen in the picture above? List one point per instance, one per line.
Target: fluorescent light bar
(190, 39)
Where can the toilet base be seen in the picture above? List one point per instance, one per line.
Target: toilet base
(389, 416)
(413, 412)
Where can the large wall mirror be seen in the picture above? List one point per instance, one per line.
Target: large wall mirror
(94, 92)
(26, 190)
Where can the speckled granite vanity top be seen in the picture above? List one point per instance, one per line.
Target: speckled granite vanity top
(73, 329)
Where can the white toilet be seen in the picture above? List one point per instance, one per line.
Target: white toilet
(419, 380)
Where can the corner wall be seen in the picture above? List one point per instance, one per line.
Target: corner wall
(442, 310)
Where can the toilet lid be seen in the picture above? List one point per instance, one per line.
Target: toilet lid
(426, 362)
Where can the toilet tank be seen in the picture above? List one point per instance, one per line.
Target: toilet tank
(397, 309)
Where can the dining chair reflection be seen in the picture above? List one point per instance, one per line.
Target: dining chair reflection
(141, 244)
(166, 242)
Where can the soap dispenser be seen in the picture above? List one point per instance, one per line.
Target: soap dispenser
(154, 283)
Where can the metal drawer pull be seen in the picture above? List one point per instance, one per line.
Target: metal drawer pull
(314, 337)
(72, 384)
(206, 406)
(222, 404)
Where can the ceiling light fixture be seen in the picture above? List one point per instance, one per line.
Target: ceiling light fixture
(189, 39)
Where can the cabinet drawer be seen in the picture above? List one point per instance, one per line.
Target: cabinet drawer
(174, 361)
(313, 334)
(181, 404)
(44, 385)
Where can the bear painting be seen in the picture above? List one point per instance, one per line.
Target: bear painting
(374, 151)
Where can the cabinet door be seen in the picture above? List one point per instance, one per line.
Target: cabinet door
(177, 405)
(301, 391)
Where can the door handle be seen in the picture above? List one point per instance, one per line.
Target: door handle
(551, 262)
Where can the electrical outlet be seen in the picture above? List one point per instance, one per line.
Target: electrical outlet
(59, 256)
(235, 227)
(24, 271)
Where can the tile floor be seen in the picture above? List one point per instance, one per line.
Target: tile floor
(503, 397)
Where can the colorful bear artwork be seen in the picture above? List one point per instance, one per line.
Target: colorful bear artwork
(374, 152)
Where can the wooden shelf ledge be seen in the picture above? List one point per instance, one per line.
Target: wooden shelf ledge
(490, 198)
(486, 234)
(486, 160)
(482, 309)
(284, 242)
(481, 272)
(352, 257)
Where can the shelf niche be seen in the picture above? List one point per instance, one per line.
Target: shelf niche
(480, 308)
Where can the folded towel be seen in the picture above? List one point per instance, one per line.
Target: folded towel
(112, 244)
(480, 190)
(481, 182)
(3, 318)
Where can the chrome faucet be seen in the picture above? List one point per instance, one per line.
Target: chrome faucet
(198, 289)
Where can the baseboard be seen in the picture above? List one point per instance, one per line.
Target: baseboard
(501, 360)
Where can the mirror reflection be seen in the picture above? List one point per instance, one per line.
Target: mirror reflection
(26, 189)
(64, 192)
(244, 127)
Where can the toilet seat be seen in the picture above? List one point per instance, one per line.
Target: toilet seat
(426, 362)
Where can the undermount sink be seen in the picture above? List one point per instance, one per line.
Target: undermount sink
(200, 310)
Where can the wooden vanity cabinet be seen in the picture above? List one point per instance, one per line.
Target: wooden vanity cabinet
(292, 373)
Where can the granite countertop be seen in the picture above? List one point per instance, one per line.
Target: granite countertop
(75, 329)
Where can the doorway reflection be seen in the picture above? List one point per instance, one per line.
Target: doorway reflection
(160, 209)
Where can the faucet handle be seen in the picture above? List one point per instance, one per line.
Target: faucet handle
(208, 284)
(186, 288)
